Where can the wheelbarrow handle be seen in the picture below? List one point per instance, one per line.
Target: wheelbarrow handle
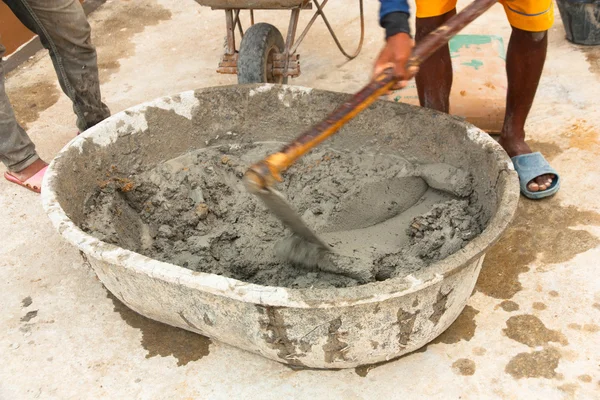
(266, 172)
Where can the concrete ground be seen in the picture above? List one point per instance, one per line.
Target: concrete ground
(530, 330)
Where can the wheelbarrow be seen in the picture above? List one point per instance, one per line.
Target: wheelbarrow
(263, 54)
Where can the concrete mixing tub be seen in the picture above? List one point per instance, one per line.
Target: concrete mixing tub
(325, 328)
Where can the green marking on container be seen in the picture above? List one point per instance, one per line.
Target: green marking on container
(473, 63)
(460, 41)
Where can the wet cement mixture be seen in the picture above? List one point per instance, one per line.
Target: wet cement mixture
(383, 216)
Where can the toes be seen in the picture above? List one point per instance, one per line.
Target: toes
(541, 183)
(548, 180)
(533, 186)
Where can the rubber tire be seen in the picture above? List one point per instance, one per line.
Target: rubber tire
(259, 40)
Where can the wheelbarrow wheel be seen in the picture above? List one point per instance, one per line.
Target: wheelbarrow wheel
(255, 61)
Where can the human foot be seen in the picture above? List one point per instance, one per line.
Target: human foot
(30, 177)
(518, 148)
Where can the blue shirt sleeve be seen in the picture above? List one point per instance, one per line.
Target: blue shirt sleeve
(390, 6)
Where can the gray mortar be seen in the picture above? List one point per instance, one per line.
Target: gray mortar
(380, 214)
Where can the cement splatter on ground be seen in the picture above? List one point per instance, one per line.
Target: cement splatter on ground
(462, 329)
(509, 306)
(549, 150)
(531, 331)
(164, 340)
(26, 302)
(479, 351)
(570, 389)
(592, 328)
(513, 254)
(31, 100)
(464, 366)
(113, 36)
(29, 316)
(592, 55)
(537, 364)
(583, 136)
(363, 370)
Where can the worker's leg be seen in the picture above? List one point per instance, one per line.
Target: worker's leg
(524, 65)
(434, 80)
(65, 32)
(17, 151)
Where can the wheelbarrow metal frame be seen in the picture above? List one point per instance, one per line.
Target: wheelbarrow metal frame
(286, 64)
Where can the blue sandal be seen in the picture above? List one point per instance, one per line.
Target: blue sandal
(529, 167)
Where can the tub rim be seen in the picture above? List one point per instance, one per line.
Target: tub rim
(281, 296)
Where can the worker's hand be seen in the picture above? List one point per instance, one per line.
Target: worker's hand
(396, 53)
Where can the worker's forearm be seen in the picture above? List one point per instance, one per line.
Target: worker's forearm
(393, 17)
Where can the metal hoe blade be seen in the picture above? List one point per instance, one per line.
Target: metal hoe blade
(279, 206)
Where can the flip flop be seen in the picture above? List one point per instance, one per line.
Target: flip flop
(34, 183)
(529, 167)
